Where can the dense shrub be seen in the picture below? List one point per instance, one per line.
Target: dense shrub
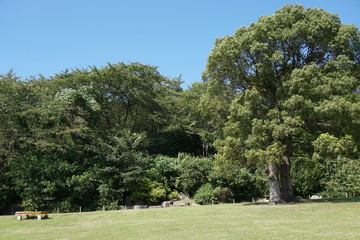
(173, 195)
(193, 172)
(244, 183)
(205, 194)
(306, 176)
(346, 181)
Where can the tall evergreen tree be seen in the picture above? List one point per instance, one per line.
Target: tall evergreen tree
(291, 75)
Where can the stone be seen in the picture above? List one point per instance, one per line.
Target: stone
(141, 206)
(316, 197)
(183, 196)
(166, 204)
(158, 206)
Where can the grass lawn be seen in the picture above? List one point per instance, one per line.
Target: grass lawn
(321, 219)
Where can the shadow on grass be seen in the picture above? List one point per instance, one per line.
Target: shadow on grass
(304, 201)
(254, 203)
(35, 218)
(333, 200)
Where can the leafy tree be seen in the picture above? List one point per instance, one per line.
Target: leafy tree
(41, 180)
(194, 115)
(165, 170)
(15, 99)
(193, 172)
(291, 75)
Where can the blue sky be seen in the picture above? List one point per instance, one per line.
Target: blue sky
(49, 36)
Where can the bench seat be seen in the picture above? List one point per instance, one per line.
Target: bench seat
(27, 213)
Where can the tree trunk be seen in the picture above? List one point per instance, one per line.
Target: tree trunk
(205, 147)
(286, 189)
(275, 194)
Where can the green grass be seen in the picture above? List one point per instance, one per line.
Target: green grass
(324, 219)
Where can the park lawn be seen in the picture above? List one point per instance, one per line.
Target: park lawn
(326, 219)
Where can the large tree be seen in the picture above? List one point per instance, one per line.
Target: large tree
(292, 76)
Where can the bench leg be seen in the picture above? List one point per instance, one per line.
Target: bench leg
(39, 217)
(19, 217)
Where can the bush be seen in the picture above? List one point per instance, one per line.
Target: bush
(193, 172)
(346, 181)
(205, 194)
(157, 193)
(244, 183)
(173, 195)
(306, 174)
(150, 192)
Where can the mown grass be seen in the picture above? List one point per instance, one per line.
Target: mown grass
(324, 219)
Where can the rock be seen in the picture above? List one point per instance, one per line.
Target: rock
(158, 206)
(316, 197)
(141, 206)
(166, 204)
(183, 196)
(185, 204)
(177, 205)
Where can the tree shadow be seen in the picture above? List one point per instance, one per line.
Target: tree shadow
(305, 201)
(254, 203)
(333, 200)
(31, 217)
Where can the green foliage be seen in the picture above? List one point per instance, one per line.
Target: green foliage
(6, 193)
(41, 180)
(193, 172)
(203, 115)
(205, 194)
(157, 193)
(165, 170)
(244, 183)
(290, 77)
(307, 175)
(81, 138)
(340, 168)
(173, 195)
(345, 182)
(150, 192)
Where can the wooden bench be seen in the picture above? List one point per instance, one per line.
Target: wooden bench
(27, 213)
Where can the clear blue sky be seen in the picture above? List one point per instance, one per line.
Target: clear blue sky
(48, 36)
